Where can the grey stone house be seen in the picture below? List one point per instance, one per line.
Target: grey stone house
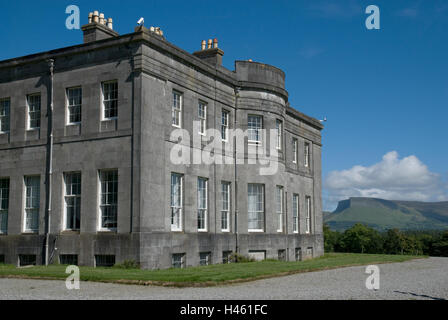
(100, 123)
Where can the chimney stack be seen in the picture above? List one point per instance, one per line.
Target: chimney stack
(210, 52)
(98, 28)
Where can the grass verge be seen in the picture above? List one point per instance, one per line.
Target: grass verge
(212, 275)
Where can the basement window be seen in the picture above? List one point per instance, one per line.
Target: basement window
(226, 257)
(204, 258)
(2, 258)
(68, 259)
(104, 260)
(282, 255)
(298, 254)
(178, 260)
(27, 260)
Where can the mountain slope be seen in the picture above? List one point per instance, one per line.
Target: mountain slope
(386, 214)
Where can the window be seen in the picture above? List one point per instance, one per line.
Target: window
(202, 204)
(279, 208)
(176, 112)
(104, 260)
(226, 257)
(309, 252)
(4, 205)
(72, 201)
(202, 113)
(108, 199)
(282, 255)
(2, 258)
(68, 259)
(295, 213)
(279, 128)
(255, 207)
(176, 201)
(298, 254)
(308, 215)
(110, 100)
(204, 258)
(74, 103)
(294, 150)
(34, 111)
(32, 204)
(254, 126)
(27, 260)
(5, 109)
(225, 115)
(307, 155)
(225, 206)
(178, 260)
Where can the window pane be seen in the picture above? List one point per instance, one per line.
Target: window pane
(110, 99)
(74, 99)
(254, 128)
(5, 108)
(109, 198)
(256, 206)
(34, 111)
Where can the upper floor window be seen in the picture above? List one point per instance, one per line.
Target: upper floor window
(202, 204)
(32, 204)
(279, 129)
(308, 215)
(5, 109)
(176, 111)
(225, 206)
(108, 199)
(295, 213)
(255, 207)
(295, 144)
(202, 113)
(72, 200)
(225, 115)
(34, 111)
(176, 201)
(254, 127)
(74, 103)
(110, 100)
(307, 155)
(279, 208)
(4, 205)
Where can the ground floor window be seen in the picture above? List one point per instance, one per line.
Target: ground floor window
(68, 259)
(298, 254)
(27, 260)
(226, 257)
(282, 255)
(104, 260)
(178, 260)
(205, 258)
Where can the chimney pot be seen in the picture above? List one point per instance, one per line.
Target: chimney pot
(210, 42)
(90, 17)
(95, 16)
(203, 44)
(101, 18)
(109, 23)
(215, 43)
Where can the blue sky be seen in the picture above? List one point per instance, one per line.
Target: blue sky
(384, 92)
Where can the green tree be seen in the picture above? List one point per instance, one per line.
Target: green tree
(331, 239)
(440, 247)
(361, 239)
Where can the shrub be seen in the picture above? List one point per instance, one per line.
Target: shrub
(128, 264)
(239, 258)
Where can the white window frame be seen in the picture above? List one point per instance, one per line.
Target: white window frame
(257, 213)
(28, 126)
(295, 213)
(225, 119)
(5, 115)
(4, 204)
(307, 155)
(31, 209)
(279, 195)
(202, 114)
(208, 258)
(179, 206)
(295, 145)
(176, 109)
(308, 215)
(225, 205)
(102, 205)
(104, 101)
(257, 130)
(182, 260)
(73, 196)
(202, 204)
(70, 106)
(279, 128)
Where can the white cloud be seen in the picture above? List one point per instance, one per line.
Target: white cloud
(391, 179)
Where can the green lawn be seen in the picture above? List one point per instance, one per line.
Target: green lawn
(206, 275)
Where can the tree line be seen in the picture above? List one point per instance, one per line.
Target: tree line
(363, 239)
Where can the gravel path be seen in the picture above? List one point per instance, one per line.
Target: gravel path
(418, 279)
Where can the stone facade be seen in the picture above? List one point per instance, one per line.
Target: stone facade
(138, 143)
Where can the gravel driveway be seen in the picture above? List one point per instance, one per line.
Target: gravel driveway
(418, 279)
